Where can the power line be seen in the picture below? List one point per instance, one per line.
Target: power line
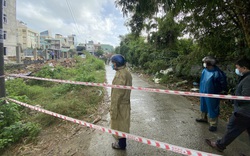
(73, 17)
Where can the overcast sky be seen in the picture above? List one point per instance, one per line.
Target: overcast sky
(97, 20)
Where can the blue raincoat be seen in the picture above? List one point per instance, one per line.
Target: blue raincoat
(211, 82)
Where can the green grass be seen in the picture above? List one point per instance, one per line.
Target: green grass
(76, 101)
(68, 99)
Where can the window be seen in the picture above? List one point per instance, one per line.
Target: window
(5, 35)
(4, 51)
(4, 18)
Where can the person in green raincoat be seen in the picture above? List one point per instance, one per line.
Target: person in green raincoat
(120, 100)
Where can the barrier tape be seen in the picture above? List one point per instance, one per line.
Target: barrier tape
(162, 145)
(138, 88)
(2, 76)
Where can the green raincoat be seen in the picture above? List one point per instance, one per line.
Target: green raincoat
(120, 101)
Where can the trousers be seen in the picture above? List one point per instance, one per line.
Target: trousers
(237, 124)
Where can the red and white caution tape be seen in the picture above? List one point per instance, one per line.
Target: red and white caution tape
(138, 88)
(165, 146)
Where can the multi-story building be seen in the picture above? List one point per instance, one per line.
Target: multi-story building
(68, 41)
(60, 45)
(27, 38)
(97, 47)
(44, 36)
(54, 45)
(90, 47)
(93, 48)
(80, 48)
(64, 40)
(46, 33)
(9, 27)
(72, 41)
(106, 48)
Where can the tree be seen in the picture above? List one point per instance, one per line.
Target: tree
(167, 32)
(99, 52)
(201, 16)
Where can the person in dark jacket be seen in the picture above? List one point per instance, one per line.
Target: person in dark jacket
(213, 81)
(240, 119)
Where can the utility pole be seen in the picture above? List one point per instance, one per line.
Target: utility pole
(2, 78)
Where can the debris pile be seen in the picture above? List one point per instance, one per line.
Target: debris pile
(32, 68)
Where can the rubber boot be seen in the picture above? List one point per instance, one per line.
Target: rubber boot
(122, 143)
(203, 115)
(203, 118)
(213, 122)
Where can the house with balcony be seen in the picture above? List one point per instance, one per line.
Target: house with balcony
(54, 45)
(43, 36)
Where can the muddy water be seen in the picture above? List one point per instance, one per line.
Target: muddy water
(165, 118)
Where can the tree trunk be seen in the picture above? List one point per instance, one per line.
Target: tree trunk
(243, 14)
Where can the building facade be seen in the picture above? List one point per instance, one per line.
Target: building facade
(9, 27)
(64, 40)
(54, 45)
(44, 36)
(106, 48)
(90, 47)
(27, 38)
(72, 41)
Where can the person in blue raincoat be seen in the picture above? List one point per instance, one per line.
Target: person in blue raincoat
(212, 81)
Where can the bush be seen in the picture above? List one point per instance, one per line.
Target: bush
(85, 77)
(16, 87)
(16, 131)
(11, 127)
(91, 64)
(10, 114)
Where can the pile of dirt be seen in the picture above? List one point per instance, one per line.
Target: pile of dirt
(33, 68)
(68, 63)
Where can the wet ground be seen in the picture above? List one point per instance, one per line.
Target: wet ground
(165, 118)
(157, 116)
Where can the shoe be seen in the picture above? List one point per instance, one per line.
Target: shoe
(116, 146)
(213, 145)
(212, 129)
(201, 120)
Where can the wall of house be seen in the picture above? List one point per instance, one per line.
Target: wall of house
(10, 28)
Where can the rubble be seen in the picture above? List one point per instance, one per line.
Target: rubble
(194, 89)
(32, 68)
(181, 83)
